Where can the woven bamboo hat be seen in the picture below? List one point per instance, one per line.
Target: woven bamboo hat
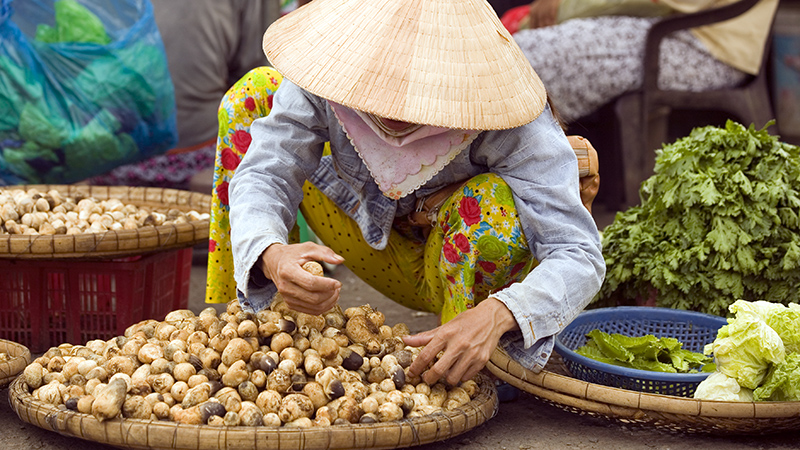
(445, 63)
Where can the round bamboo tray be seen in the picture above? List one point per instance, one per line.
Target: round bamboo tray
(19, 357)
(554, 386)
(114, 243)
(134, 433)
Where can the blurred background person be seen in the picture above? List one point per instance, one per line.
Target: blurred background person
(585, 62)
(210, 44)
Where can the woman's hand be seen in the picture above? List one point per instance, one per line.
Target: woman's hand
(302, 291)
(467, 341)
(543, 13)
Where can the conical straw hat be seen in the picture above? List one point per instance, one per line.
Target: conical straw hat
(446, 63)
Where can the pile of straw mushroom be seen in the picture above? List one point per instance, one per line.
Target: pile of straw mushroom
(274, 368)
(49, 213)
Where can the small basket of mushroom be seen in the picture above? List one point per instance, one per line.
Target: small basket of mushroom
(14, 357)
(79, 221)
(269, 372)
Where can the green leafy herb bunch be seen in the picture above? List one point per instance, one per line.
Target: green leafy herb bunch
(718, 221)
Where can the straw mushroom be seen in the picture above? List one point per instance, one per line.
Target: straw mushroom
(236, 374)
(33, 375)
(229, 398)
(108, 404)
(295, 406)
(456, 398)
(330, 382)
(211, 408)
(250, 415)
(136, 407)
(389, 411)
(237, 349)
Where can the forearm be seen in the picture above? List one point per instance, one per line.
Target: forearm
(266, 189)
(561, 233)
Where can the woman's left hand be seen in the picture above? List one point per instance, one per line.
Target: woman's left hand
(467, 341)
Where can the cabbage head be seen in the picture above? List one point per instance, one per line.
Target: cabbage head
(761, 308)
(785, 320)
(719, 386)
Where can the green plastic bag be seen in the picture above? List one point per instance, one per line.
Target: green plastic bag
(84, 88)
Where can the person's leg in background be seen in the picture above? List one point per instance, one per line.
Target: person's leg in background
(585, 63)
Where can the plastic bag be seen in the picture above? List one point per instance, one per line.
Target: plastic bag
(84, 88)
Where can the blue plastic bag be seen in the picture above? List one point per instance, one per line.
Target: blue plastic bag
(84, 88)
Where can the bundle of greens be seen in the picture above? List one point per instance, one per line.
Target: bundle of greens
(756, 355)
(646, 352)
(718, 221)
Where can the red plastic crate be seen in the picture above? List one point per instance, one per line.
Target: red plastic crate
(45, 303)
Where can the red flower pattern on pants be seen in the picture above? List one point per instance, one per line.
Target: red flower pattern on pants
(483, 247)
(487, 266)
(222, 193)
(469, 210)
(450, 253)
(241, 140)
(229, 159)
(462, 242)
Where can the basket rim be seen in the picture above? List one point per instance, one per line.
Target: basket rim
(113, 243)
(20, 358)
(643, 408)
(409, 431)
(633, 312)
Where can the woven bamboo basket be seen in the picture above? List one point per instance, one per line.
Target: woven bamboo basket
(19, 357)
(115, 243)
(134, 433)
(554, 386)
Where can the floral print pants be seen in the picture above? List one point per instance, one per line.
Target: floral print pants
(248, 99)
(476, 248)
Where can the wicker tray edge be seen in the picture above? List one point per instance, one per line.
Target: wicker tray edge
(130, 433)
(20, 358)
(114, 244)
(661, 411)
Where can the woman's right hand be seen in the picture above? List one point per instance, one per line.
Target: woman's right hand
(302, 291)
(543, 13)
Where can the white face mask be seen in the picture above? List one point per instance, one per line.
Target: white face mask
(382, 129)
(401, 160)
(412, 132)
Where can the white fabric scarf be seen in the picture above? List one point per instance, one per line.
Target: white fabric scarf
(402, 160)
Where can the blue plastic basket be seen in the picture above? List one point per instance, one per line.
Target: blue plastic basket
(694, 330)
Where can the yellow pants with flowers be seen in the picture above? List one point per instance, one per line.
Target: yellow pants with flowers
(476, 248)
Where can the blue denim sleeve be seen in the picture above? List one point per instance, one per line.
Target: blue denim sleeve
(266, 189)
(539, 165)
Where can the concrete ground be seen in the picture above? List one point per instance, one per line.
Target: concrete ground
(526, 423)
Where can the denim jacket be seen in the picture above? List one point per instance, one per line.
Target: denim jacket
(535, 160)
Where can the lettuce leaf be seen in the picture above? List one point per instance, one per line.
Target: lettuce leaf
(786, 322)
(782, 382)
(646, 352)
